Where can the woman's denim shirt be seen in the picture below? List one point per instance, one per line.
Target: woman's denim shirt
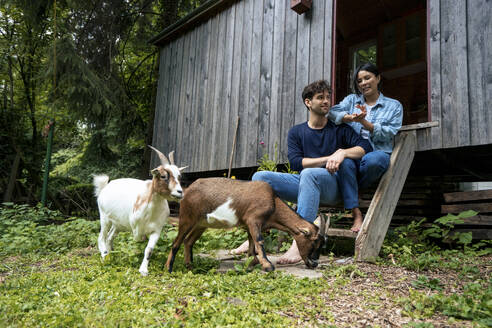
(386, 116)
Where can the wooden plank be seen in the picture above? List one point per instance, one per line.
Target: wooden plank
(419, 126)
(198, 103)
(244, 84)
(378, 216)
(236, 77)
(160, 104)
(265, 80)
(424, 139)
(477, 234)
(225, 106)
(254, 80)
(457, 208)
(162, 133)
(288, 82)
(302, 66)
(208, 114)
(316, 42)
(189, 108)
(454, 75)
(169, 143)
(486, 67)
(482, 220)
(464, 196)
(478, 18)
(177, 78)
(328, 36)
(334, 232)
(183, 96)
(218, 101)
(275, 124)
(434, 67)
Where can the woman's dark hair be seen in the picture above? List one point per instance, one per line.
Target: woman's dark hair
(369, 67)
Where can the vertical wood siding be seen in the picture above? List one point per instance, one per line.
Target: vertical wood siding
(253, 58)
(460, 49)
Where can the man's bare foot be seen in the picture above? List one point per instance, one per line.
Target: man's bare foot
(357, 215)
(242, 249)
(292, 256)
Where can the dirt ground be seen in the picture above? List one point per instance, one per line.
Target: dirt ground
(370, 299)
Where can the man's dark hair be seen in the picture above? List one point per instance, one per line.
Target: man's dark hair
(369, 67)
(316, 87)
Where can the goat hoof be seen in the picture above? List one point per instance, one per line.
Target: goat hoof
(269, 268)
(105, 257)
(144, 273)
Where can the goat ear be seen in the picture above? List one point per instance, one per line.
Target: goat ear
(171, 157)
(155, 172)
(181, 169)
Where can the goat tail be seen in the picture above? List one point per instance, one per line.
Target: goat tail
(99, 182)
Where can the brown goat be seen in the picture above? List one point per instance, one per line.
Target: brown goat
(225, 203)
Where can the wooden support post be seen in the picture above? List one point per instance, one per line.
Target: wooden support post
(383, 204)
(7, 196)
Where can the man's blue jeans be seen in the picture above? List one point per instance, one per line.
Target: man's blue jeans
(315, 186)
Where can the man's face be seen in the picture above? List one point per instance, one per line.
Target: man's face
(320, 104)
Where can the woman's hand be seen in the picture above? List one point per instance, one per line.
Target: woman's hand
(359, 117)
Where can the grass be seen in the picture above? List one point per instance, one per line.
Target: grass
(52, 276)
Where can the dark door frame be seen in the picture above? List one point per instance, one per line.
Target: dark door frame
(334, 55)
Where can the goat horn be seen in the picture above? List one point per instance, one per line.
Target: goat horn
(322, 225)
(163, 157)
(171, 157)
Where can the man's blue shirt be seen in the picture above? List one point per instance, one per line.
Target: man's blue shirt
(313, 143)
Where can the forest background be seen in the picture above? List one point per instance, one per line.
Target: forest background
(88, 66)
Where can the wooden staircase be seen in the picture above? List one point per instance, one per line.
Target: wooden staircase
(369, 239)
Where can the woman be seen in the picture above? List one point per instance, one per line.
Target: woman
(376, 118)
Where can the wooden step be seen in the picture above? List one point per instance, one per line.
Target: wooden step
(377, 219)
(333, 232)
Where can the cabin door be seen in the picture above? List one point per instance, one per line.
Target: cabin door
(391, 34)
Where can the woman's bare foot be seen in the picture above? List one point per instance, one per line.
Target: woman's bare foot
(292, 256)
(357, 215)
(242, 249)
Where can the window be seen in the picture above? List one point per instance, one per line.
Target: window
(360, 54)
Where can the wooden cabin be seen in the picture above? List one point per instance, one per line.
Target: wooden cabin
(250, 59)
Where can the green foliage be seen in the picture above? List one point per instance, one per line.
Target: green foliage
(426, 282)
(25, 229)
(442, 227)
(475, 303)
(345, 271)
(419, 248)
(52, 275)
(267, 164)
(77, 290)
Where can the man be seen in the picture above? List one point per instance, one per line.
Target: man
(317, 149)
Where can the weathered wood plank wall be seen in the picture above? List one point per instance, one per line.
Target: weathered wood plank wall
(253, 58)
(460, 47)
(250, 60)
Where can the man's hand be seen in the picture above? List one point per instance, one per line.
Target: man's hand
(334, 160)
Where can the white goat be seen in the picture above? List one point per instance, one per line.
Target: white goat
(138, 206)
